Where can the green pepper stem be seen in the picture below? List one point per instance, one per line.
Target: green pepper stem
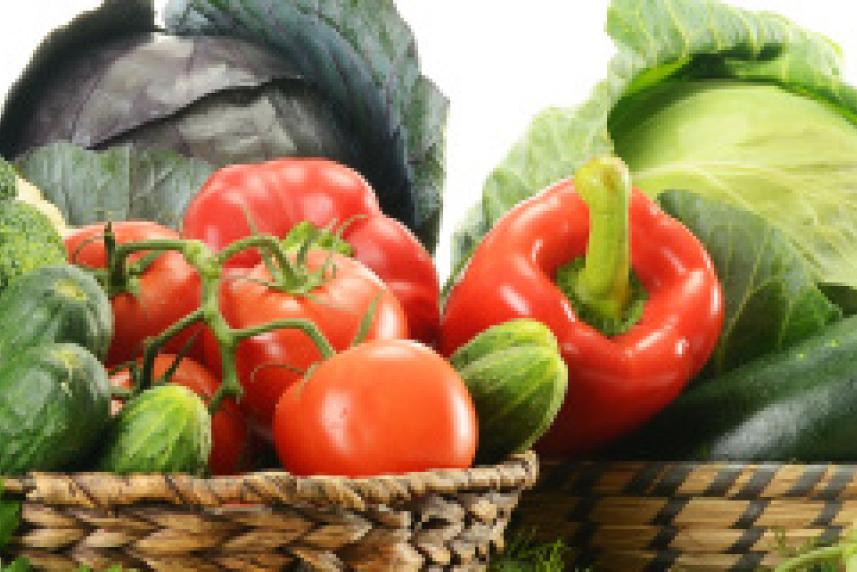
(603, 284)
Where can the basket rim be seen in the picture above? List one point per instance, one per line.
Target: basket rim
(106, 490)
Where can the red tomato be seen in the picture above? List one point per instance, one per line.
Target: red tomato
(277, 195)
(385, 406)
(168, 290)
(229, 452)
(267, 364)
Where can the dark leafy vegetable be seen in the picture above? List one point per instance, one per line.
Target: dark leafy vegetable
(741, 106)
(236, 82)
(771, 298)
(21, 564)
(120, 183)
(10, 518)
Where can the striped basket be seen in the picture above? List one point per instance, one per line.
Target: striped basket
(629, 516)
(436, 520)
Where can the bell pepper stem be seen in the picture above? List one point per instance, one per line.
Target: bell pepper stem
(603, 284)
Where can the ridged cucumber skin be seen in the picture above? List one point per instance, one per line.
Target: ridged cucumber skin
(166, 429)
(55, 304)
(514, 333)
(54, 407)
(518, 381)
(791, 405)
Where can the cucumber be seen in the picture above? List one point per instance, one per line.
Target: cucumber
(165, 429)
(797, 404)
(55, 304)
(54, 407)
(518, 381)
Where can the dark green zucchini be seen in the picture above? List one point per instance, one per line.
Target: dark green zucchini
(798, 404)
(55, 304)
(54, 407)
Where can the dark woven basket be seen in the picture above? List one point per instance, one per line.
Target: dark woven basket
(438, 520)
(632, 516)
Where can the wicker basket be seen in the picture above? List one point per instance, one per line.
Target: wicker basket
(689, 516)
(445, 519)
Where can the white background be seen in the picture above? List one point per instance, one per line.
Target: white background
(498, 61)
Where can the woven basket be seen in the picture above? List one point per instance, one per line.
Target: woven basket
(445, 519)
(689, 516)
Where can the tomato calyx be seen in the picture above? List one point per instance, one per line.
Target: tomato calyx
(287, 264)
(322, 237)
(119, 276)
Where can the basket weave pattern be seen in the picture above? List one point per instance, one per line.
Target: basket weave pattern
(445, 519)
(689, 516)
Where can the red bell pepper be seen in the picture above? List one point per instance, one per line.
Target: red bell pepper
(583, 239)
(277, 195)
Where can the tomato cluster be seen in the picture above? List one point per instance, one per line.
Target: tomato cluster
(383, 405)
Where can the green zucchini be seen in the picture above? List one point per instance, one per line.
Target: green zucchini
(798, 404)
(165, 429)
(54, 407)
(518, 381)
(55, 304)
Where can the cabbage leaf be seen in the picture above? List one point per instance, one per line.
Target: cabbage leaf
(675, 106)
(244, 81)
(771, 300)
(363, 57)
(120, 183)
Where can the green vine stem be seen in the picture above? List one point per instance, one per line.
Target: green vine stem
(289, 277)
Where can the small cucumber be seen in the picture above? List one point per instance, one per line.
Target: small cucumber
(797, 404)
(165, 429)
(55, 304)
(54, 407)
(518, 381)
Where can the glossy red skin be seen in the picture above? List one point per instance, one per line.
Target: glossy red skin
(229, 433)
(168, 290)
(615, 384)
(383, 407)
(279, 194)
(337, 307)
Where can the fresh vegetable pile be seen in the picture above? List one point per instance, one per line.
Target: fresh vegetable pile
(738, 126)
(216, 348)
(237, 273)
(215, 255)
(203, 296)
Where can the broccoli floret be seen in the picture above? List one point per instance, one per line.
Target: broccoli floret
(25, 219)
(19, 256)
(28, 241)
(8, 180)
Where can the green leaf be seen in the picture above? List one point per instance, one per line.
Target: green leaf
(524, 554)
(667, 49)
(10, 518)
(119, 183)
(21, 564)
(771, 300)
(362, 56)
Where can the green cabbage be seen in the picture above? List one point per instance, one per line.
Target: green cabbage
(739, 106)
